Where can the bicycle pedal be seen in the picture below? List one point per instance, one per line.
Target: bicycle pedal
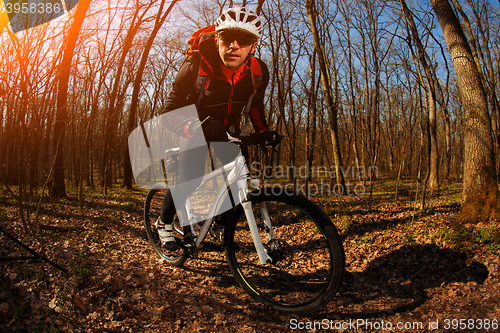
(171, 246)
(189, 246)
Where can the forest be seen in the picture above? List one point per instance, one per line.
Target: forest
(391, 120)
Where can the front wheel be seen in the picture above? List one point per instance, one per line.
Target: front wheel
(152, 210)
(308, 258)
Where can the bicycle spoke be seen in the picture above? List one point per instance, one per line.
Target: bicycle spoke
(307, 260)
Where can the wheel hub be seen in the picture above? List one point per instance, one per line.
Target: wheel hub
(279, 252)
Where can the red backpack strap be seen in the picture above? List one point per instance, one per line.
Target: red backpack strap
(256, 73)
(202, 82)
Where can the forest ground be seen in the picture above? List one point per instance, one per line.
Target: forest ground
(405, 267)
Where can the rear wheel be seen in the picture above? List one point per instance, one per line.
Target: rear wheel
(307, 253)
(152, 210)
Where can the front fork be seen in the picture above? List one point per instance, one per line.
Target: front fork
(264, 257)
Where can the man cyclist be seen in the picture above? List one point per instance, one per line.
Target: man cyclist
(220, 97)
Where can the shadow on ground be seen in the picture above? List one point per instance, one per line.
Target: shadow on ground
(402, 281)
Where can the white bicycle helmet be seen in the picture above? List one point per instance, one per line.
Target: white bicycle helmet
(241, 19)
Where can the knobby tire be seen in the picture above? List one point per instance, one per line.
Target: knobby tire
(152, 210)
(309, 256)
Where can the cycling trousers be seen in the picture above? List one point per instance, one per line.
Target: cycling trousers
(191, 169)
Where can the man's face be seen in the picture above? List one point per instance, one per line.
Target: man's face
(234, 47)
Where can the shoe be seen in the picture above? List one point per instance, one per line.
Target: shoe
(166, 235)
(217, 232)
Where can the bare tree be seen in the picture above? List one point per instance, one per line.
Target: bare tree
(331, 103)
(480, 178)
(159, 21)
(481, 51)
(433, 165)
(114, 109)
(58, 186)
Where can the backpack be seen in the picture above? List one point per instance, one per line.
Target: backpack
(203, 79)
(194, 41)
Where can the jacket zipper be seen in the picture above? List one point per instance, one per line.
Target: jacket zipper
(230, 101)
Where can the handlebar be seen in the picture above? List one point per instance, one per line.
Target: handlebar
(263, 140)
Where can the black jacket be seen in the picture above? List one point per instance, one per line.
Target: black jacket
(221, 100)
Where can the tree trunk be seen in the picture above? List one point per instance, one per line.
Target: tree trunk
(58, 185)
(480, 191)
(114, 109)
(331, 105)
(160, 19)
(258, 8)
(312, 114)
(431, 112)
(490, 77)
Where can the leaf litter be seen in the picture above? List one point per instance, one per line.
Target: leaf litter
(400, 267)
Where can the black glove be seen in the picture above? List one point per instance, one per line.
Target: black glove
(270, 138)
(214, 131)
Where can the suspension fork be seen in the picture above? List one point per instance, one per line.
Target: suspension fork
(267, 221)
(246, 203)
(264, 258)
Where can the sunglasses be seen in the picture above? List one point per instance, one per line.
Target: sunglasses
(241, 39)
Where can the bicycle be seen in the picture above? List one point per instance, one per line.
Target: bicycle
(281, 248)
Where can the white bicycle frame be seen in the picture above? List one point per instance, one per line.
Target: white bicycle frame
(235, 172)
